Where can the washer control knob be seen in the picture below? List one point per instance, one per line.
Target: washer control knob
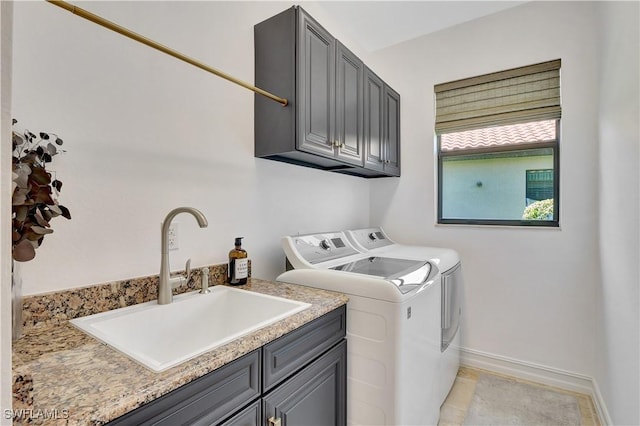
(373, 236)
(325, 244)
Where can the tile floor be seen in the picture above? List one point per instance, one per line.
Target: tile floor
(454, 409)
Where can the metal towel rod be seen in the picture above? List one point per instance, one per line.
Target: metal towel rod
(137, 37)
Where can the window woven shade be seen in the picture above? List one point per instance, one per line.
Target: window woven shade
(513, 96)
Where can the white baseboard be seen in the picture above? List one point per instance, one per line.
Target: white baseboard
(538, 373)
(601, 407)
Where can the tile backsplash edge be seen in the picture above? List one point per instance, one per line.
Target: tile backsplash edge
(50, 309)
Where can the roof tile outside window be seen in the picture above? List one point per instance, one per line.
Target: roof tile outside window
(489, 137)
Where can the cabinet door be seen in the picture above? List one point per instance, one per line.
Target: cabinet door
(316, 87)
(314, 396)
(391, 140)
(373, 122)
(349, 103)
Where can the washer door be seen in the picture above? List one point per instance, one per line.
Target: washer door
(405, 274)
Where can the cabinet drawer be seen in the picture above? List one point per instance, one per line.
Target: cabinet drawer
(289, 353)
(206, 399)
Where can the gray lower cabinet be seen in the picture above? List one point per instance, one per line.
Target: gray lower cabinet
(314, 397)
(250, 416)
(298, 379)
(205, 400)
(324, 82)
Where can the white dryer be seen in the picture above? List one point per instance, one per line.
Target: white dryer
(393, 326)
(375, 241)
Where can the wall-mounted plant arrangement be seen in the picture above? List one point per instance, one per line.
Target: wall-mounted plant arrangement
(35, 191)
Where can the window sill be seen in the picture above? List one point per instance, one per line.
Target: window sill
(468, 224)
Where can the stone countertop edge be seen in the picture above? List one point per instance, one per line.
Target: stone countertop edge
(63, 376)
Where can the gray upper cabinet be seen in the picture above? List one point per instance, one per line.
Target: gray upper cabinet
(381, 126)
(349, 135)
(316, 87)
(324, 124)
(391, 138)
(373, 122)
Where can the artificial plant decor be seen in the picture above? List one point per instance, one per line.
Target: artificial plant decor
(35, 193)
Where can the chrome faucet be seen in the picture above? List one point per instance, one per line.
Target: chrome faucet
(167, 284)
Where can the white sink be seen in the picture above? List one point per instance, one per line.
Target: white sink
(162, 336)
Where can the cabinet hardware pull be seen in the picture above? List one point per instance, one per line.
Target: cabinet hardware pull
(274, 422)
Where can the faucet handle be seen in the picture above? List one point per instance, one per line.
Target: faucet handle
(187, 270)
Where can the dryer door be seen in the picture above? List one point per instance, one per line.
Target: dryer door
(451, 306)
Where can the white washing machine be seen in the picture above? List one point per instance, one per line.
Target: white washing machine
(393, 326)
(376, 242)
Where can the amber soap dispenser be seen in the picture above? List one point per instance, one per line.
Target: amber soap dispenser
(238, 269)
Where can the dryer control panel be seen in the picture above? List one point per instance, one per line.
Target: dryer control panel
(318, 248)
(368, 238)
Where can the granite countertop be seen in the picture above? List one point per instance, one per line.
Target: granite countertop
(63, 376)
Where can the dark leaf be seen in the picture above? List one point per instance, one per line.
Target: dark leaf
(22, 179)
(13, 121)
(40, 176)
(21, 213)
(40, 151)
(40, 219)
(17, 140)
(31, 157)
(41, 230)
(59, 141)
(30, 136)
(19, 197)
(31, 235)
(44, 135)
(46, 157)
(65, 211)
(46, 214)
(24, 251)
(42, 194)
(57, 185)
(55, 210)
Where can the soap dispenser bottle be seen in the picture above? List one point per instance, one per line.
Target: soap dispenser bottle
(238, 269)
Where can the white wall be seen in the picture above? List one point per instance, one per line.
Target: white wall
(145, 133)
(618, 372)
(537, 295)
(529, 293)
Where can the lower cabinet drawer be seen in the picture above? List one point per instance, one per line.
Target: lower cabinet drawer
(289, 353)
(206, 400)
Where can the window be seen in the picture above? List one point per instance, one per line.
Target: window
(497, 140)
(539, 185)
